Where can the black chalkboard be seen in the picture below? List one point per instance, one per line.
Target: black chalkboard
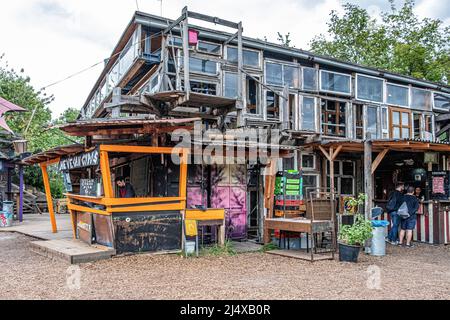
(88, 187)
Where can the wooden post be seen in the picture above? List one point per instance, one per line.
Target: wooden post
(187, 82)
(21, 187)
(368, 178)
(240, 102)
(48, 195)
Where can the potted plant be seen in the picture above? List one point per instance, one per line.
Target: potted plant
(353, 237)
(351, 205)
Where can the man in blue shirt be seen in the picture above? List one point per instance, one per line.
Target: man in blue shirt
(394, 203)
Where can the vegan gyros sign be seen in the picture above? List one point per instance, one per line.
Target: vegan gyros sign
(82, 160)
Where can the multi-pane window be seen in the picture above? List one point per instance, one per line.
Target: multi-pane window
(333, 117)
(366, 121)
(202, 66)
(423, 126)
(308, 114)
(400, 123)
(251, 58)
(369, 88)
(279, 74)
(308, 161)
(334, 82)
(344, 177)
(397, 95)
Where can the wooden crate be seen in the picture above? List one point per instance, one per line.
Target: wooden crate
(322, 209)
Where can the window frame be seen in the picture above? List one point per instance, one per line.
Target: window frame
(336, 92)
(260, 62)
(300, 118)
(400, 126)
(303, 79)
(206, 52)
(383, 88)
(307, 169)
(346, 117)
(401, 86)
(283, 65)
(339, 175)
(411, 99)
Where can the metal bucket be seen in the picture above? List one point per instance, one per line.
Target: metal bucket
(378, 247)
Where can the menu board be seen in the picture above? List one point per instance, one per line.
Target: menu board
(88, 187)
(439, 181)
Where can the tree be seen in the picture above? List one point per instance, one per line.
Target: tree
(16, 87)
(285, 40)
(399, 42)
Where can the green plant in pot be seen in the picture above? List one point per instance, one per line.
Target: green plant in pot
(351, 206)
(353, 237)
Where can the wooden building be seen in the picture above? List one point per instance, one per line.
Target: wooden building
(348, 127)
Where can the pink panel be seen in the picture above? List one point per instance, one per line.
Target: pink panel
(193, 37)
(238, 197)
(220, 197)
(194, 197)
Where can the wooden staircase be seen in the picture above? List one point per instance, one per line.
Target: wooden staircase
(34, 201)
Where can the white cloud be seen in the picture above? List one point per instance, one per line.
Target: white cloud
(52, 39)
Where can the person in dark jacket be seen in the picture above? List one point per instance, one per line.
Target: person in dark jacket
(126, 190)
(394, 202)
(408, 224)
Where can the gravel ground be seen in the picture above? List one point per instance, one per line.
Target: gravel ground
(422, 272)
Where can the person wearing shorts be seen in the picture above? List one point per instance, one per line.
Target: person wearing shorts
(409, 224)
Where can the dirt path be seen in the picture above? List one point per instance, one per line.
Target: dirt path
(419, 273)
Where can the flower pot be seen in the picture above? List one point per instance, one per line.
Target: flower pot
(348, 253)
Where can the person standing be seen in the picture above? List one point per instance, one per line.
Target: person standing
(408, 224)
(394, 202)
(125, 189)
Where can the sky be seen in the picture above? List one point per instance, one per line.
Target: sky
(52, 39)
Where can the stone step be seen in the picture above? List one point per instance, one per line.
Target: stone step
(71, 251)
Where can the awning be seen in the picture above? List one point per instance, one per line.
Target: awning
(378, 145)
(111, 127)
(53, 154)
(7, 106)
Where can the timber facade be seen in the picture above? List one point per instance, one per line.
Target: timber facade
(326, 110)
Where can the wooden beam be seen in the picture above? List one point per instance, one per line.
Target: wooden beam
(48, 196)
(378, 159)
(336, 152)
(325, 153)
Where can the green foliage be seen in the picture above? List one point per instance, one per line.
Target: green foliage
(15, 87)
(285, 40)
(269, 247)
(358, 233)
(399, 41)
(216, 250)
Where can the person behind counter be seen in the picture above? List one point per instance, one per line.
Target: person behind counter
(418, 194)
(408, 224)
(126, 190)
(393, 204)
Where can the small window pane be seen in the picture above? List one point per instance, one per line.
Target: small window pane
(347, 186)
(396, 118)
(231, 83)
(416, 123)
(405, 119)
(274, 73)
(347, 168)
(202, 66)
(396, 133)
(397, 95)
(370, 89)
(308, 161)
(405, 132)
(421, 99)
(209, 47)
(442, 101)
(309, 79)
(291, 76)
(308, 114)
(335, 82)
(372, 123)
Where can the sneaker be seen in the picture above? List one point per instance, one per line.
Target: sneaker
(394, 243)
(410, 245)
